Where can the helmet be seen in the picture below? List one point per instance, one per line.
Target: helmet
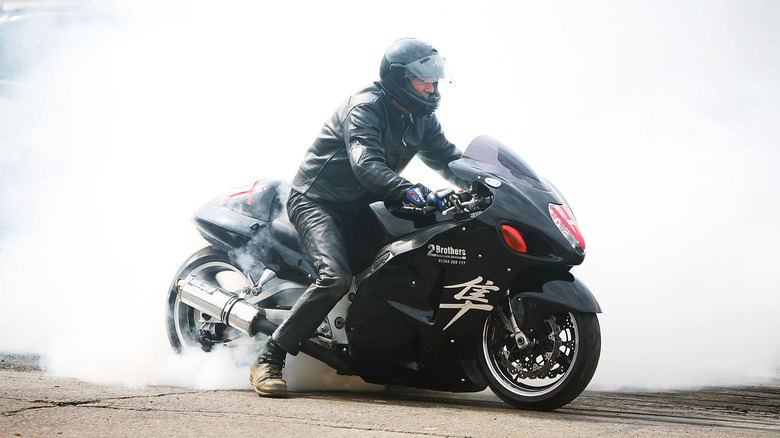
(411, 58)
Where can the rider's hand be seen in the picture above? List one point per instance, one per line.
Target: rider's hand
(439, 199)
(417, 195)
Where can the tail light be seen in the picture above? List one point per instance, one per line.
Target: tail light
(564, 219)
(513, 238)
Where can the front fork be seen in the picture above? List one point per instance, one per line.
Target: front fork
(516, 312)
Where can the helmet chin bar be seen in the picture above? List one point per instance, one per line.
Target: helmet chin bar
(419, 106)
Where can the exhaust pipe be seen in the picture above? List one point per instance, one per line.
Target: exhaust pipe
(230, 309)
(248, 318)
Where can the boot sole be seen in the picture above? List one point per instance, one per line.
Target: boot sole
(271, 394)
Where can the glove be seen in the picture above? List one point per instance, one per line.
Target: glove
(417, 195)
(439, 199)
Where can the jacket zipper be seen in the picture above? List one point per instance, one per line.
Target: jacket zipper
(403, 136)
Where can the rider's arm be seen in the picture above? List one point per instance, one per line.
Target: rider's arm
(363, 139)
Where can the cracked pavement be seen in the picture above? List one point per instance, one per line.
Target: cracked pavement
(35, 404)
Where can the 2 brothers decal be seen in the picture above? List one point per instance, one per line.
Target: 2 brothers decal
(447, 254)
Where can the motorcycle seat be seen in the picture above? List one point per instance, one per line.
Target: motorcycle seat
(284, 231)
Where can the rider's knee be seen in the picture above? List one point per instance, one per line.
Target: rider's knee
(338, 284)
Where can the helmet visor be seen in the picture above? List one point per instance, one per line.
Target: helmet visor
(430, 69)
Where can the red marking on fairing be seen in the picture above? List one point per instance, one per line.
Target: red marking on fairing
(233, 195)
(248, 193)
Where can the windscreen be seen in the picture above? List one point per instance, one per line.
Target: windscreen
(495, 158)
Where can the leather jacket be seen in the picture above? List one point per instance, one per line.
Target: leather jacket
(363, 147)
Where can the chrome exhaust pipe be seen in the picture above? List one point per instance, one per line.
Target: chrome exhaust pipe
(228, 308)
(244, 316)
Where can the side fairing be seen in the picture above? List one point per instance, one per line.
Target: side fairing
(240, 223)
(423, 307)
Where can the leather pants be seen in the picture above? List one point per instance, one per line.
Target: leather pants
(320, 228)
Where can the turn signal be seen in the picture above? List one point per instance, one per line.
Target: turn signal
(513, 238)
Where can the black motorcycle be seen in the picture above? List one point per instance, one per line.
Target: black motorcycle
(477, 295)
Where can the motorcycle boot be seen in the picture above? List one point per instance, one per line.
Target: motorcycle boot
(266, 372)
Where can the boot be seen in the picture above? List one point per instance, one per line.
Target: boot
(266, 372)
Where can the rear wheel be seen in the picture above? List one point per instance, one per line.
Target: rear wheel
(549, 370)
(188, 328)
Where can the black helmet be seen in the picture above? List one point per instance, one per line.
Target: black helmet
(411, 58)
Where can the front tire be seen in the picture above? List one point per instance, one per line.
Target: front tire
(552, 370)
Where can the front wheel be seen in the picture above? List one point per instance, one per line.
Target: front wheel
(549, 370)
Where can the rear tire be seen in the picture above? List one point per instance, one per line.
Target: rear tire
(189, 329)
(551, 372)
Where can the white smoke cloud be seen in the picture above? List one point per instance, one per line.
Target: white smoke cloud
(655, 119)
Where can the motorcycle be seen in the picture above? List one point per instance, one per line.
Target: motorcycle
(478, 295)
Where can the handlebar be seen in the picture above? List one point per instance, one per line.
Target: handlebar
(461, 202)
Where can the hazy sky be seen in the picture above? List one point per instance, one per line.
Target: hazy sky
(656, 119)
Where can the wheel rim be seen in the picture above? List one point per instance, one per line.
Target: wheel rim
(188, 321)
(539, 369)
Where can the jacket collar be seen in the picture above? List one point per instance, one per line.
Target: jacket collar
(399, 110)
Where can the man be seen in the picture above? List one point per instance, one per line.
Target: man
(355, 161)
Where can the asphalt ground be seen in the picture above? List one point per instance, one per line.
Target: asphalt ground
(34, 404)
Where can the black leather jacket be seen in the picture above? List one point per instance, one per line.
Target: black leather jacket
(363, 147)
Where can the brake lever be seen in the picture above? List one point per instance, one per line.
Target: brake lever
(449, 210)
(469, 206)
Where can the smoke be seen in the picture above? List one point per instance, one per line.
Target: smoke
(655, 119)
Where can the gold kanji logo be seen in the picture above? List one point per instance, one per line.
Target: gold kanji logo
(472, 293)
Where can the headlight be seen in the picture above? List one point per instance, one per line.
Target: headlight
(564, 220)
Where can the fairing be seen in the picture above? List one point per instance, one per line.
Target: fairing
(522, 198)
(244, 224)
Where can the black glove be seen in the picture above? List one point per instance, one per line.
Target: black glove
(417, 195)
